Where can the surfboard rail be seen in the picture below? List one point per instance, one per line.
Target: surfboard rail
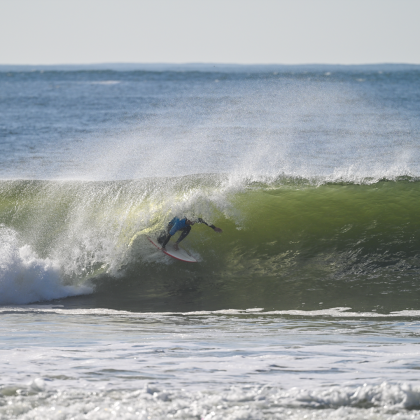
(180, 255)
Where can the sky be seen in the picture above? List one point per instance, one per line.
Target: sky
(209, 31)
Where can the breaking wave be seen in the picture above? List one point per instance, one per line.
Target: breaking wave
(286, 242)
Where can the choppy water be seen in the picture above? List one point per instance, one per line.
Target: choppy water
(306, 305)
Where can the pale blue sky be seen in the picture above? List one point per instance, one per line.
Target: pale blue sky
(203, 31)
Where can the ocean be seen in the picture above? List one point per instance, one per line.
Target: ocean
(305, 307)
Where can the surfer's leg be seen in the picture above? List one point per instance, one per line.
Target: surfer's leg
(164, 235)
(166, 240)
(185, 232)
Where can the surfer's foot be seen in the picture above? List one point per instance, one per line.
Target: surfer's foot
(176, 247)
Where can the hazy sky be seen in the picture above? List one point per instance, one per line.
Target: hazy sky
(222, 31)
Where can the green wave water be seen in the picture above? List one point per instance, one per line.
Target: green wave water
(286, 244)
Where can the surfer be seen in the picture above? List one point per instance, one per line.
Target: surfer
(184, 225)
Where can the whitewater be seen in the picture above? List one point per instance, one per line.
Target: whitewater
(305, 307)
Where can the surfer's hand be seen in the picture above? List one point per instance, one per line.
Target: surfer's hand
(216, 229)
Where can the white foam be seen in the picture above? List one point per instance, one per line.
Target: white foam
(385, 401)
(340, 312)
(25, 278)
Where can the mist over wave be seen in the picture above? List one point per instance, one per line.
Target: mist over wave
(109, 125)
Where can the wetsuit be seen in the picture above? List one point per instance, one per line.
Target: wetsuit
(174, 226)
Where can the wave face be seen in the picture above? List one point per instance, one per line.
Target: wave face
(287, 243)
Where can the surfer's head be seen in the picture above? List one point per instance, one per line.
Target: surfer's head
(190, 222)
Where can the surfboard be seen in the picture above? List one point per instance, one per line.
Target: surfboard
(179, 254)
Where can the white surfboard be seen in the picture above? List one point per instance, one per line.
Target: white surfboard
(179, 254)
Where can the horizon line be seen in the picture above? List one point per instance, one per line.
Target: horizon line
(201, 66)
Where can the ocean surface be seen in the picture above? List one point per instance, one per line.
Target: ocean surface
(305, 307)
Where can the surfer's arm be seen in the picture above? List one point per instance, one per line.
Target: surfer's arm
(216, 229)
